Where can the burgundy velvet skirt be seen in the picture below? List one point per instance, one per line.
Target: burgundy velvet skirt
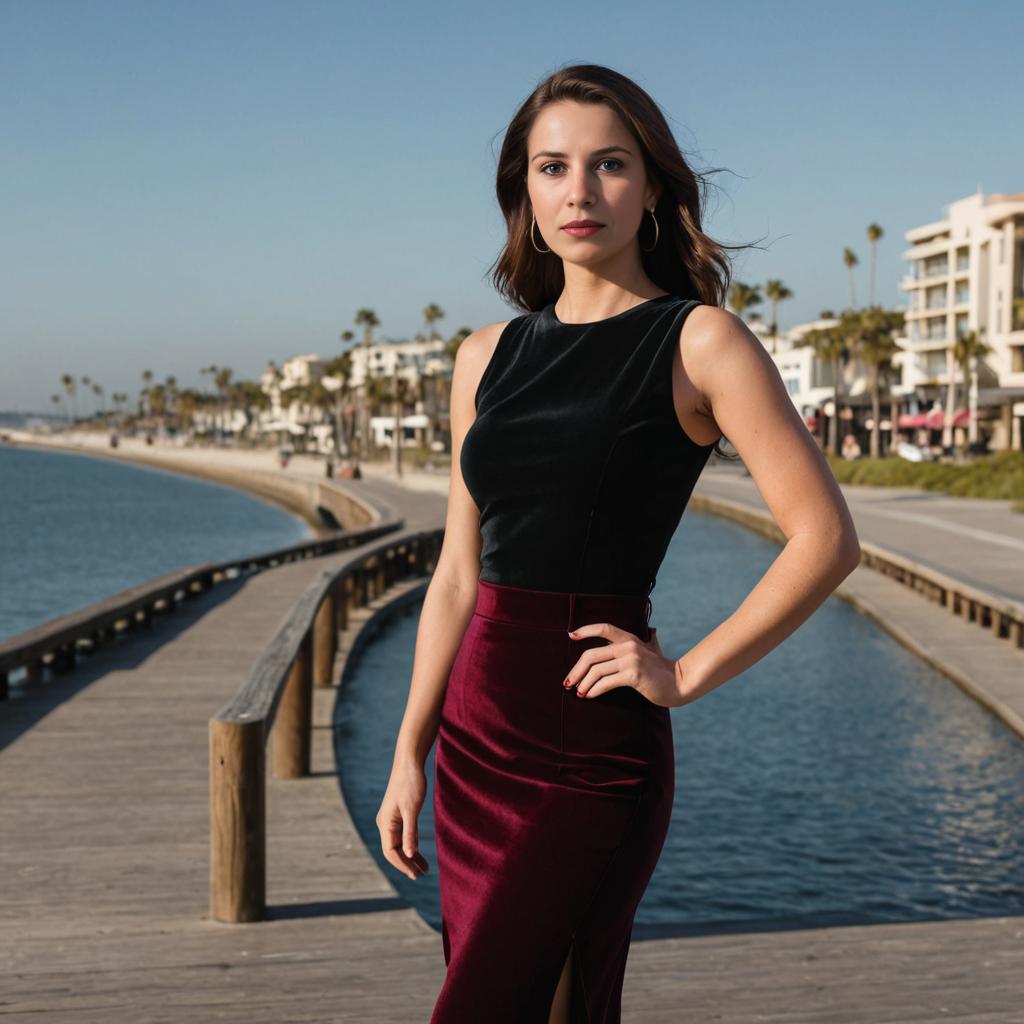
(550, 811)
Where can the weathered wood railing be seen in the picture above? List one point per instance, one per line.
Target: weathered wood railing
(276, 702)
(57, 644)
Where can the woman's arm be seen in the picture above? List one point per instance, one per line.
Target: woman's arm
(744, 393)
(447, 608)
(451, 595)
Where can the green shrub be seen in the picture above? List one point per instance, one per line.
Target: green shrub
(999, 476)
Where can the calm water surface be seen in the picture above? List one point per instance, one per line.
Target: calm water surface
(839, 779)
(75, 529)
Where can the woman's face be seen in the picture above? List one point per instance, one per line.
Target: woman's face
(584, 164)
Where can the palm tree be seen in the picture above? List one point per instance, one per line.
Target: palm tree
(743, 296)
(399, 396)
(430, 314)
(147, 379)
(874, 340)
(962, 353)
(830, 346)
(55, 399)
(222, 381)
(69, 387)
(97, 390)
(367, 319)
(875, 232)
(777, 292)
(119, 398)
(186, 405)
(339, 370)
(86, 382)
(850, 259)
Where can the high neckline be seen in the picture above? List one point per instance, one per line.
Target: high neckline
(553, 316)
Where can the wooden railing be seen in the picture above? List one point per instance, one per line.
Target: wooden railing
(276, 702)
(57, 645)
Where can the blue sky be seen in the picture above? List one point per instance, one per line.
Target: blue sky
(187, 183)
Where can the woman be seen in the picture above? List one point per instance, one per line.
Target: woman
(578, 431)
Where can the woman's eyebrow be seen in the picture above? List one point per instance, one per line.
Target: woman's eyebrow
(597, 152)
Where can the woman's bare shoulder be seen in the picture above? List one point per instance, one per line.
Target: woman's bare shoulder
(474, 353)
(478, 346)
(710, 338)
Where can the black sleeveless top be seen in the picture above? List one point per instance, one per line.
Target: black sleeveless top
(576, 459)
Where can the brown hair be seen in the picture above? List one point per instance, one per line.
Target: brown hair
(685, 261)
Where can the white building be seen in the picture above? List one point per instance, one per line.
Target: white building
(808, 379)
(412, 358)
(967, 274)
(287, 417)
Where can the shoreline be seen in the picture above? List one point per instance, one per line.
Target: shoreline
(301, 490)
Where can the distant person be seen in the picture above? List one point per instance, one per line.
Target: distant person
(579, 428)
(850, 447)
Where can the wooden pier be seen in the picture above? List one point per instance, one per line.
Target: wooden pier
(105, 865)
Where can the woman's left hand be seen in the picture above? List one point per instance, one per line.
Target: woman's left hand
(625, 660)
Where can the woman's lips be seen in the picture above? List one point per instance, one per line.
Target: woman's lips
(582, 232)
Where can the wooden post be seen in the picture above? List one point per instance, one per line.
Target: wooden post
(237, 822)
(342, 601)
(1015, 632)
(325, 642)
(294, 719)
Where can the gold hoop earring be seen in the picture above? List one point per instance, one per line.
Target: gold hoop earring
(657, 233)
(533, 224)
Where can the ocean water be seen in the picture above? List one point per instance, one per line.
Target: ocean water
(838, 780)
(75, 529)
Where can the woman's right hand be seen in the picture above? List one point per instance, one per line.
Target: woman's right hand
(396, 819)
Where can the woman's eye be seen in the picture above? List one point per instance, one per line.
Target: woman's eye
(608, 160)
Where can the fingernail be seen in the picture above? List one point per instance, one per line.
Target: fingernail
(567, 683)
(572, 632)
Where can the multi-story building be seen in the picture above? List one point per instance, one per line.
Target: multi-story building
(967, 274)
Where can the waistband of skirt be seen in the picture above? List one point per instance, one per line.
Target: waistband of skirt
(562, 609)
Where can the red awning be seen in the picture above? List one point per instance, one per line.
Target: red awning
(934, 420)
